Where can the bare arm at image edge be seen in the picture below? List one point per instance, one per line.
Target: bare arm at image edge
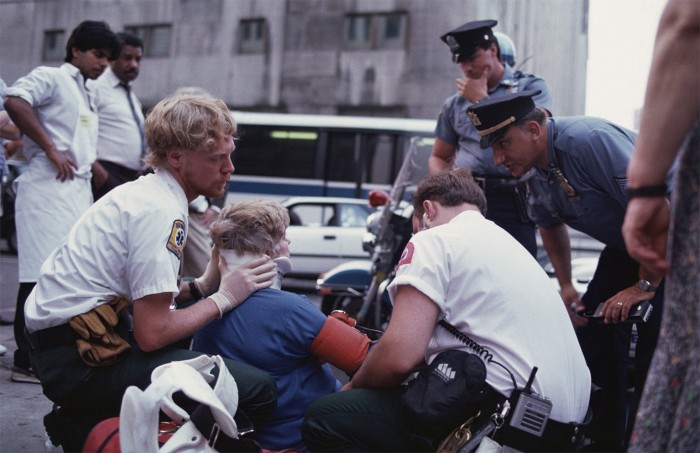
(671, 106)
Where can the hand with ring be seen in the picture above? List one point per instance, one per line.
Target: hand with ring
(616, 309)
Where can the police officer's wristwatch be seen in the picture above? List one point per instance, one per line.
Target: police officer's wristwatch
(646, 286)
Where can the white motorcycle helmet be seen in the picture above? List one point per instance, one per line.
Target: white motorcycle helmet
(139, 415)
(507, 49)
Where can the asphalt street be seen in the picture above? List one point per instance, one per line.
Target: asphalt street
(23, 406)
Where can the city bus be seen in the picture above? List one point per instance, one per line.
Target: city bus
(283, 155)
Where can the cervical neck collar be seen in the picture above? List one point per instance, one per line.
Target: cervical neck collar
(284, 264)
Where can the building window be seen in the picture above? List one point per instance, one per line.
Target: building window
(358, 31)
(391, 30)
(375, 31)
(252, 36)
(156, 38)
(54, 45)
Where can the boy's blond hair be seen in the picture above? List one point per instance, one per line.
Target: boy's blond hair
(254, 227)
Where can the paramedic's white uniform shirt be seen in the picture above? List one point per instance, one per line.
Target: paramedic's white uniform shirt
(490, 288)
(129, 242)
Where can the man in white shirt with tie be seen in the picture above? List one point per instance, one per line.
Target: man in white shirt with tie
(121, 146)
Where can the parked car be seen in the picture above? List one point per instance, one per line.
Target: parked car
(325, 232)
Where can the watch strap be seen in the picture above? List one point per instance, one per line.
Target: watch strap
(194, 291)
(646, 286)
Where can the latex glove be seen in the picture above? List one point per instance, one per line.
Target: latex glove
(240, 282)
(208, 283)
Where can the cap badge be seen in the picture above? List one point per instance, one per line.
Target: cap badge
(474, 117)
(453, 44)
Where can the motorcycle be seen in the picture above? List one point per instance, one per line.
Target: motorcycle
(359, 287)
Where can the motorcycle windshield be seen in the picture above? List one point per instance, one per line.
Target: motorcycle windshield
(413, 169)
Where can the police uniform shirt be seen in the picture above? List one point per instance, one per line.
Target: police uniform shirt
(129, 242)
(490, 288)
(592, 155)
(119, 138)
(455, 127)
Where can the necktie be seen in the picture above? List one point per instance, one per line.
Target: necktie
(136, 117)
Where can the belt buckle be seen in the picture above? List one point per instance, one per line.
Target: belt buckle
(214, 435)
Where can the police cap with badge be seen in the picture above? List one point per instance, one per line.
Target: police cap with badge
(492, 116)
(464, 41)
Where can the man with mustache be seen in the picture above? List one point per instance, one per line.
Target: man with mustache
(580, 180)
(121, 145)
(54, 108)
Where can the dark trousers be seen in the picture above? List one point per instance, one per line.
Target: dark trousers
(95, 393)
(21, 358)
(118, 175)
(606, 348)
(507, 209)
(359, 420)
(373, 420)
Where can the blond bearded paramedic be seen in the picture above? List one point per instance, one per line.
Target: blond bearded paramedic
(129, 243)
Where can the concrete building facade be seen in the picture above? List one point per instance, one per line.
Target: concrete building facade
(362, 57)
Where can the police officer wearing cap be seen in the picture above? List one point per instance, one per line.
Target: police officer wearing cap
(478, 54)
(580, 180)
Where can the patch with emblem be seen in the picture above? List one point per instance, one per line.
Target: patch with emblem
(407, 255)
(176, 241)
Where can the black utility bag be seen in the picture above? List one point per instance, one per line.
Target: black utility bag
(444, 394)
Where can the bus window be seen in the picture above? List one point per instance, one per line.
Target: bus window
(341, 163)
(379, 158)
(275, 151)
(374, 157)
(282, 155)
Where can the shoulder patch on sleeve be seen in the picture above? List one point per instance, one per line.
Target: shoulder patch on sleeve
(176, 241)
(407, 255)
